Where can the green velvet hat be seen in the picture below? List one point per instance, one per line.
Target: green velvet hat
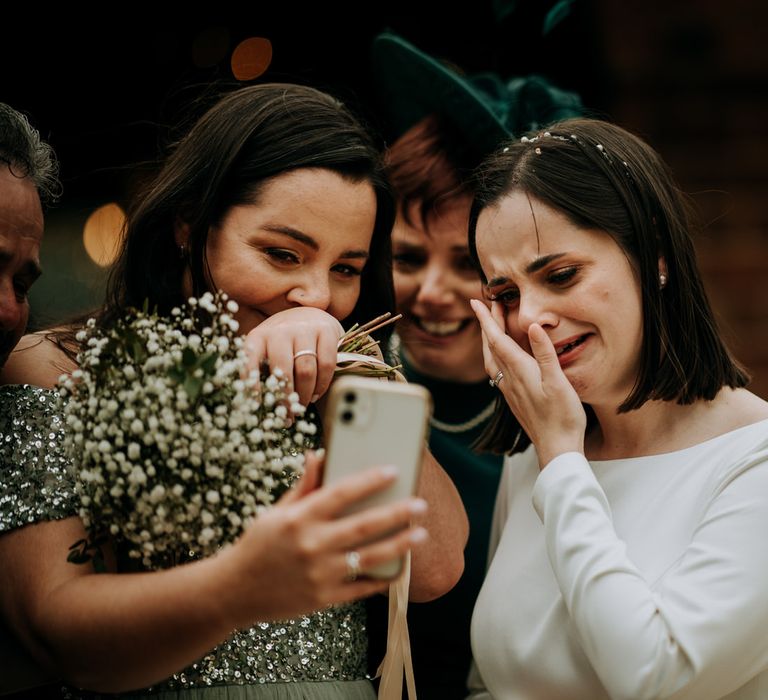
(482, 108)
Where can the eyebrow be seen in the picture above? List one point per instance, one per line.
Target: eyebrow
(532, 267)
(311, 242)
(30, 268)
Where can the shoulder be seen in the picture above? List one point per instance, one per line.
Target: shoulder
(36, 360)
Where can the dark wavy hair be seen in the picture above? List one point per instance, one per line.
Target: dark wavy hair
(248, 137)
(27, 155)
(600, 176)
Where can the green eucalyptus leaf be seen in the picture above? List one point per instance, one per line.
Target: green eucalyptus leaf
(208, 362)
(193, 386)
(177, 374)
(188, 357)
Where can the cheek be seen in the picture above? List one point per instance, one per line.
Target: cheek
(345, 300)
(469, 289)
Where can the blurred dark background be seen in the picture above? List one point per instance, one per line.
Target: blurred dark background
(108, 90)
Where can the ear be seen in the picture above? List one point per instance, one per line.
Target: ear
(181, 233)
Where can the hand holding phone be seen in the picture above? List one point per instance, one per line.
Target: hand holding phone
(370, 422)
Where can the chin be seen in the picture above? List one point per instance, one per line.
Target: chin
(446, 365)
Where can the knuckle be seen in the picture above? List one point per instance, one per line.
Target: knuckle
(326, 365)
(292, 523)
(306, 546)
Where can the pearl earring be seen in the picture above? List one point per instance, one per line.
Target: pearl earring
(662, 280)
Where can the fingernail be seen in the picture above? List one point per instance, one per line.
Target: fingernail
(418, 506)
(389, 471)
(419, 535)
(314, 398)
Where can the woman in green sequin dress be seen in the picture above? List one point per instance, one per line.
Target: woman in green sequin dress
(276, 197)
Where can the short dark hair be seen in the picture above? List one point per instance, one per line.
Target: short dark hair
(249, 136)
(600, 176)
(426, 167)
(27, 155)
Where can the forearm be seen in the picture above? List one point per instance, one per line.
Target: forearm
(692, 617)
(113, 632)
(437, 564)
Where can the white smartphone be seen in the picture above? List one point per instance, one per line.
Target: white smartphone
(370, 422)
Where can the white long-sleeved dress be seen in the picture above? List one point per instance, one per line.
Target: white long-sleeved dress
(631, 578)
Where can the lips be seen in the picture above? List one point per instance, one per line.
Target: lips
(570, 350)
(441, 329)
(567, 347)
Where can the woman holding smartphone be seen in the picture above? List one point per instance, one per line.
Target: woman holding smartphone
(276, 197)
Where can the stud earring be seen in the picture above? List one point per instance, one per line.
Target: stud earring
(662, 280)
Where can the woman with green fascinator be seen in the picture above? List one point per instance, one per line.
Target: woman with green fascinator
(441, 125)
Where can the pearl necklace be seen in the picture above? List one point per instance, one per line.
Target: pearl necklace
(396, 349)
(473, 422)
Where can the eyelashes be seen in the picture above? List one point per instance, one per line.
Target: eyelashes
(563, 275)
(561, 278)
(289, 259)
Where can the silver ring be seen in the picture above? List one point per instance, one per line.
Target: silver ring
(301, 353)
(353, 565)
(495, 381)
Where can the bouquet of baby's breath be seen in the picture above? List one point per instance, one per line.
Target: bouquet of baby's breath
(176, 446)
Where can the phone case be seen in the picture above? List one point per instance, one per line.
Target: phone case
(372, 422)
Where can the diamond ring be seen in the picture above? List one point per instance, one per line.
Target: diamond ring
(495, 381)
(353, 565)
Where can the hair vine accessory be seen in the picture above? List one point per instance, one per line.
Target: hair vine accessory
(572, 138)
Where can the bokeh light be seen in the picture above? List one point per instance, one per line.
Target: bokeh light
(102, 233)
(251, 58)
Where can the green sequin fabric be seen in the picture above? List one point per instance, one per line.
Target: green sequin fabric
(315, 656)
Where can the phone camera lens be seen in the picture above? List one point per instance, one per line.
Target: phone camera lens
(350, 397)
(347, 416)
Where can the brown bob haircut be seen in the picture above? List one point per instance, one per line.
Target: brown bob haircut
(600, 176)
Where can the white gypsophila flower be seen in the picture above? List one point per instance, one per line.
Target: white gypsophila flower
(177, 448)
